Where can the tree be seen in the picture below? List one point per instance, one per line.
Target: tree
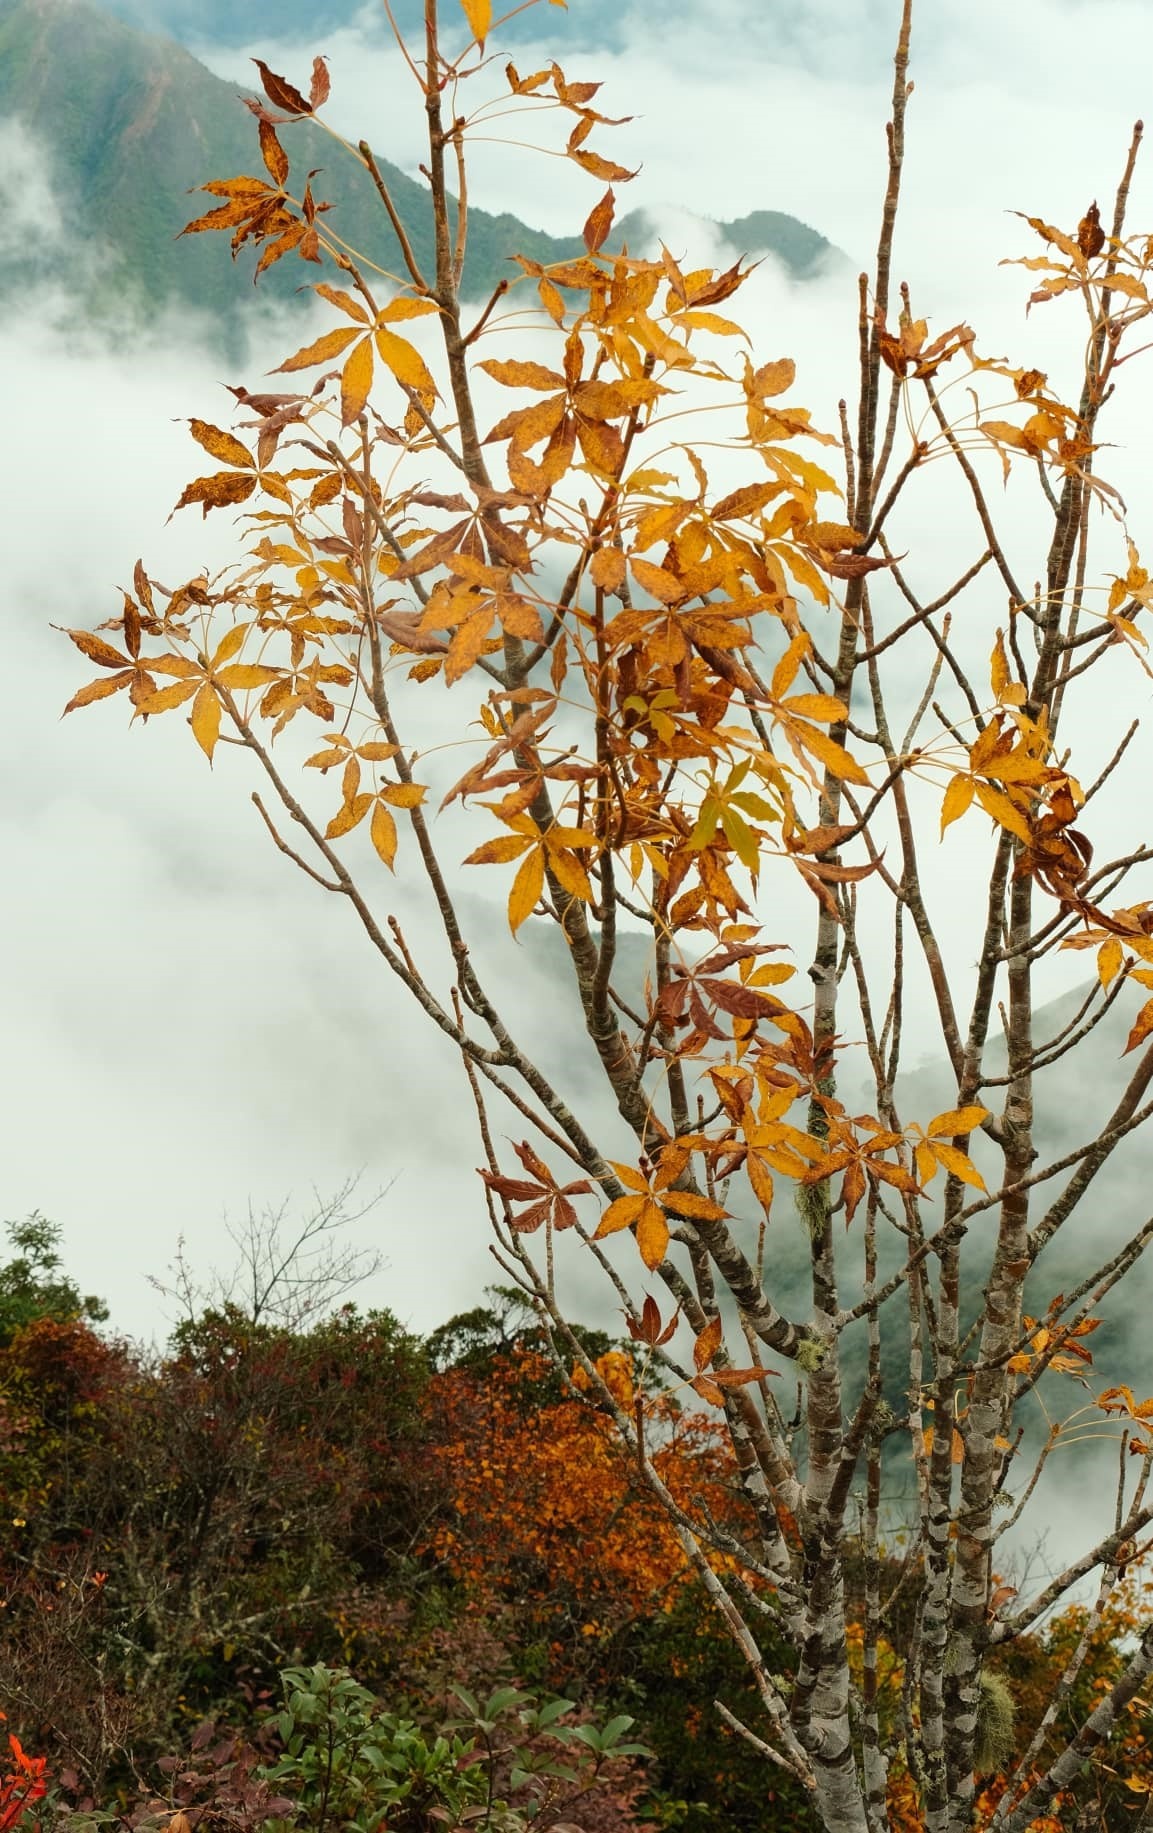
(700, 698)
(32, 1286)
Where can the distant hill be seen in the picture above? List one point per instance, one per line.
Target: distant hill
(131, 122)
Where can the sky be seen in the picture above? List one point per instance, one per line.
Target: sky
(190, 1027)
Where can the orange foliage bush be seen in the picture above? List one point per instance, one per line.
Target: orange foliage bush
(547, 1507)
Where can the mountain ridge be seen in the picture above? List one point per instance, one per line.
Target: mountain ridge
(131, 121)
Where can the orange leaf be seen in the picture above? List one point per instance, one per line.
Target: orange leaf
(467, 643)
(701, 1209)
(707, 1344)
(621, 1214)
(1141, 1028)
(652, 1234)
(601, 168)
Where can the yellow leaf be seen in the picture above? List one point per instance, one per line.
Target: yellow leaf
(348, 817)
(247, 674)
(816, 706)
(959, 1165)
(343, 301)
(516, 374)
(657, 581)
(479, 16)
(229, 645)
(405, 361)
(607, 569)
(785, 672)
(711, 321)
(382, 831)
(402, 795)
(405, 306)
(926, 1162)
(772, 378)
(958, 798)
(323, 350)
(570, 874)
(355, 382)
(1109, 959)
(996, 803)
(526, 889)
(957, 1120)
(652, 1234)
(834, 756)
(205, 719)
(762, 1183)
(167, 697)
(221, 445)
(498, 852)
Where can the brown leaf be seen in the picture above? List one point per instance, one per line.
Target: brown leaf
(273, 154)
(97, 650)
(600, 221)
(219, 491)
(321, 84)
(100, 689)
(280, 92)
(1090, 235)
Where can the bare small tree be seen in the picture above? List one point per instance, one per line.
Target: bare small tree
(285, 1273)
